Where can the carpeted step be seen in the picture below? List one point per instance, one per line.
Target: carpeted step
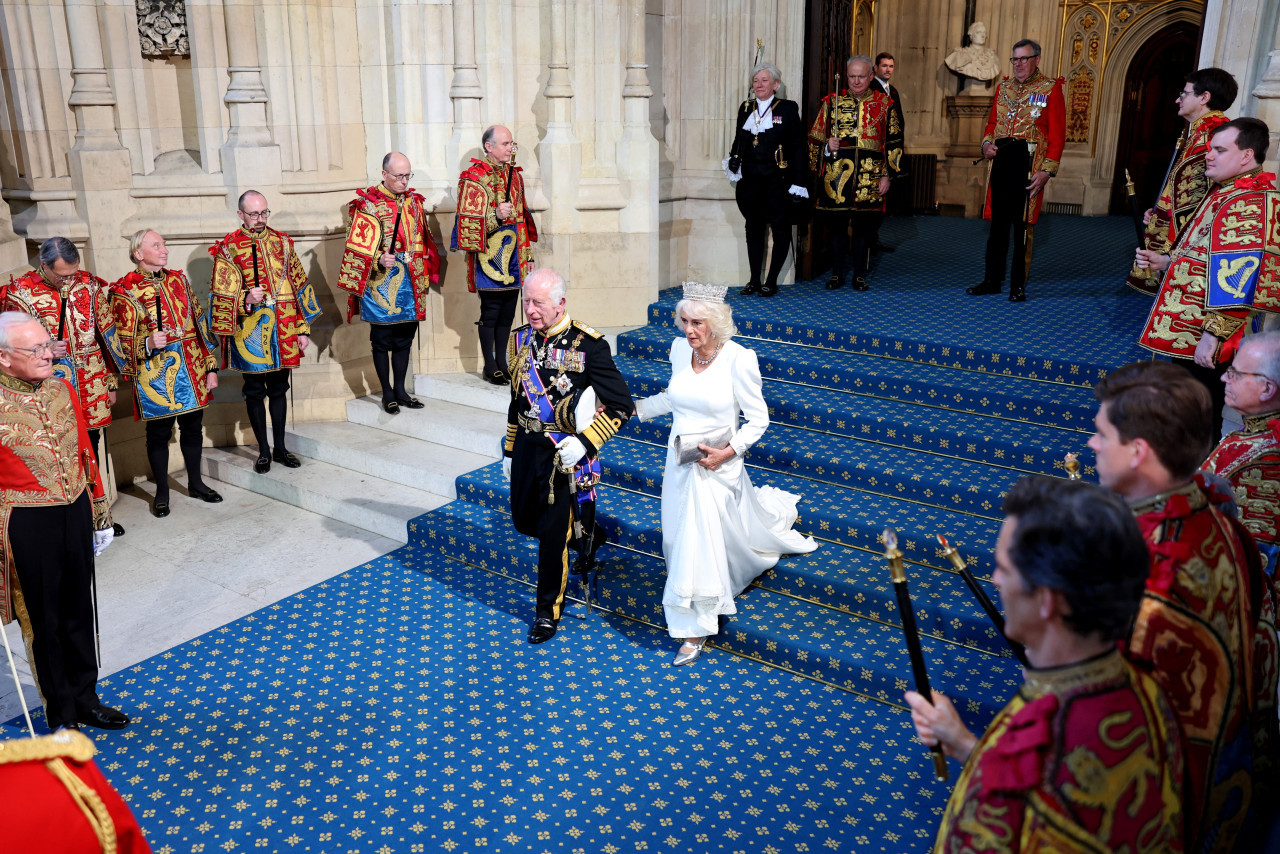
(978, 438)
(837, 576)
(857, 654)
(849, 518)
(1009, 397)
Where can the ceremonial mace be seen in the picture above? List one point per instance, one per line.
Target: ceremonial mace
(893, 557)
(997, 619)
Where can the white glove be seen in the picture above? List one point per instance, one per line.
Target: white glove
(569, 451)
(506, 468)
(102, 539)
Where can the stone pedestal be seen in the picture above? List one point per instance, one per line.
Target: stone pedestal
(961, 182)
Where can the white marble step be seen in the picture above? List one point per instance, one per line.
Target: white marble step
(400, 459)
(361, 500)
(465, 390)
(441, 422)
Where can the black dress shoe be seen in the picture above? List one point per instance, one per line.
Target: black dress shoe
(835, 283)
(411, 403)
(118, 529)
(495, 377)
(860, 284)
(390, 406)
(159, 509)
(543, 630)
(286, 459)
(768, 290)
(262, 464)
(750, 288)
(104, 717)
(983, 288)
(1017, 294)
(205, 494)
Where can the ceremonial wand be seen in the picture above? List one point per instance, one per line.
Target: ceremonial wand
(997, 619)
(17, 683)
(896, 571)
(1135, 209)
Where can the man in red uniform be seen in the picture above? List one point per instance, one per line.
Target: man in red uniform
(1026, 132)
(388, 266)
(54, 799)
(1086, 755)
(1205, 94)
(496, 230)
(1222, 268)
(855, 149)
(1206, 630)
(73, 305)
(1249, 458)
(53, 519)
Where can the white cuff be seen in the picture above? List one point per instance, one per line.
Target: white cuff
(734, 177)
(797, 190)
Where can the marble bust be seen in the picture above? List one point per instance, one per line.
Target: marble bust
(976, 62)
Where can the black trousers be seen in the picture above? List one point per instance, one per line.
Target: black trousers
(190, 440)
(852, 234)
(52, 551)
(1009, 181)
(764, 204)
(1210, 378)
(532, 462)
(256, 389)
(497, 314)
(394, 340)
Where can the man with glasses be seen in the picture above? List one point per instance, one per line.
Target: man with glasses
(1205, 94)
(496, 230)
(54, 518)
(261, 306)
(1213, 279)
(388, 266)
(1250, 457)
(73, 305)
(1025, 135)
(1207, 626)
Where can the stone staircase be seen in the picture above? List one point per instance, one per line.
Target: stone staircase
(377, 471)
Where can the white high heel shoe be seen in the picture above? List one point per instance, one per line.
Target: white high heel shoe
(695, 650)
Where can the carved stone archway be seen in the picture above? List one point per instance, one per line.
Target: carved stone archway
(1111, 96)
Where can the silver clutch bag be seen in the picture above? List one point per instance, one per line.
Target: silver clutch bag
(687, 444)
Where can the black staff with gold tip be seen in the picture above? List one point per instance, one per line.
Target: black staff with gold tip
(893, 556)
(1135, 211)
(952, 554)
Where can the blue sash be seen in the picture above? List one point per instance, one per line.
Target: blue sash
(586, 474)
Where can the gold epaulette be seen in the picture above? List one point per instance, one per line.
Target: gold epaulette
(587, 329)
(67, 744)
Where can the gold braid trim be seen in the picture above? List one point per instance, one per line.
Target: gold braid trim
(90, 803)
(68, 744)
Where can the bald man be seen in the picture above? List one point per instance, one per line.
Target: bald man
(389, 263)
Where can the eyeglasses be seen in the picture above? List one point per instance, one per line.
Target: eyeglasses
(1232, 374)
(401, 177)
(37, 351)
(257, 214)
(1016, 59)
(1185, 94)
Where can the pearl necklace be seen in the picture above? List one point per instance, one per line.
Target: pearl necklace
(709, 360)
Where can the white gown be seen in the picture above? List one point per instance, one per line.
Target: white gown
(718, 531)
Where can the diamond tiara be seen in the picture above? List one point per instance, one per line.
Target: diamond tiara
(704, 292)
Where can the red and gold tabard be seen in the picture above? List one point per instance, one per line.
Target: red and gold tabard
(1238, 219)
(1250, 459)
(1084, 758)
(76, 311)
(1034, 111)
(1206, 632)
(56, 799)
(870, 134)
(171, 380)
(380, 295)
(45, 460)
(263, 336)
(497, 248)
(1181, 195)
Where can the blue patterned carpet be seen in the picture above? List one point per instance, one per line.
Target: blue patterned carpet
(397, 707)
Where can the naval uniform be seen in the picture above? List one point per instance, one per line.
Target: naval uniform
(568, 358)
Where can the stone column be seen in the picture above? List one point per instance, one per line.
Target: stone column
(560, 152)
(250, 159)
(101, 173)
(1268, 94)
(638, 152)
(465, 92)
